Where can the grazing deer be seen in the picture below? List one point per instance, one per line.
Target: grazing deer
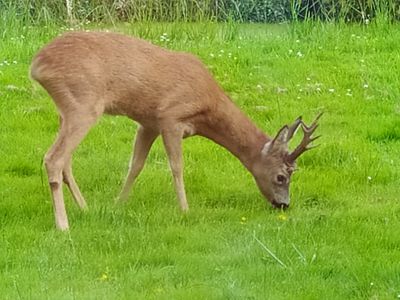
(169, 94)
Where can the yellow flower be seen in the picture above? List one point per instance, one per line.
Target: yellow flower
(282, 217)
(243, 220)
(104, 277)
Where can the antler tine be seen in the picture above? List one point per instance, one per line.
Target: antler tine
(316, 119)
(307, 139)
(293, 128)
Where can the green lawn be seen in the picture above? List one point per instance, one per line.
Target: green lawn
(339, 240)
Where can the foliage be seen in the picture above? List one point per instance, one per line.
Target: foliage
(270, 11)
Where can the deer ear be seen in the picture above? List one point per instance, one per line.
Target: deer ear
(278, 143)
(267, 147)
(282, 136)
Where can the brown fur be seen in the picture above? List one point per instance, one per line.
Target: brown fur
(169, 93)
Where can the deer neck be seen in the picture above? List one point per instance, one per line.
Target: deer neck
(229, 127)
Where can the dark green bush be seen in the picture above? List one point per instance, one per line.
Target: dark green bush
(196, 10)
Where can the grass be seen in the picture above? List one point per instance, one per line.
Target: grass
(339, 240)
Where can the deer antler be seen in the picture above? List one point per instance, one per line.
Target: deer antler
(293, 128)
(307, 139)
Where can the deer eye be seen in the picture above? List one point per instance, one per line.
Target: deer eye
(281, 179)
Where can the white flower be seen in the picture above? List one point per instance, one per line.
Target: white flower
(261, 108)
(212, 54)
(290, 51)
(299, 54)
(280, 90)
(11, 87)
(331, 90)
(365, 86)
(369, 178)
(164, 37)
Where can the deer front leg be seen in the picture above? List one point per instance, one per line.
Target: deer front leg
(173, 145)
(144, 140)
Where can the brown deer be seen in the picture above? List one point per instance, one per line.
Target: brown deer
(168, 93)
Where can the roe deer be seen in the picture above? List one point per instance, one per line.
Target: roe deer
(169, 94)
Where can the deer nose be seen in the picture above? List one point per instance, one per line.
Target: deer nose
(280, 205)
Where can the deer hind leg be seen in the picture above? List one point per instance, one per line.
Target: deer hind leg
(143, 142)
(173, 145)
(73, 130)
(69, 180)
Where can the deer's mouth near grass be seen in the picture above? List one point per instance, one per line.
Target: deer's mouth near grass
(280, 205)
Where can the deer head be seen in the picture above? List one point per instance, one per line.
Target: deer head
(277, 163)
